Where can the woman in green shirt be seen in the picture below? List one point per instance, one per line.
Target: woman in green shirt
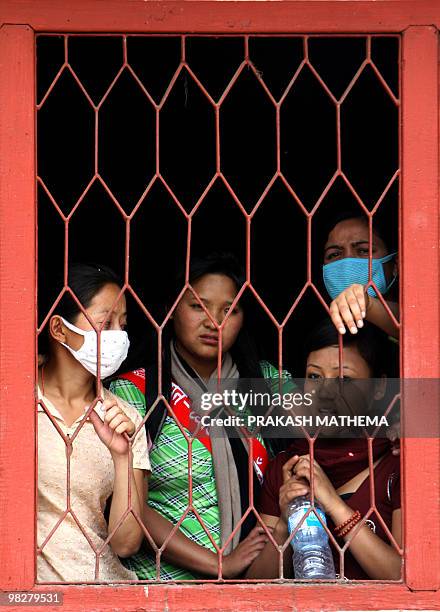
(219, 463)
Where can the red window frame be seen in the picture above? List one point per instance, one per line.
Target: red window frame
(418, 22)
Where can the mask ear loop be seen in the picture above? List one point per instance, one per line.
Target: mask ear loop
(386, 259)
(73, 328)
(391, 283)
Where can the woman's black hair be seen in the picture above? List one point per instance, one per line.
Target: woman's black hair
(85, 280)
(372, 344)
(225, 264)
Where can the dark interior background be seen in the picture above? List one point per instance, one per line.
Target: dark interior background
(127, 152)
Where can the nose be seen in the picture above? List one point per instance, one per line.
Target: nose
(209, 324)
(350, 251)
(328, 388)
(115, 324)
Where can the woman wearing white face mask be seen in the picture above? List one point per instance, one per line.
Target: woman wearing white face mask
(85, 437)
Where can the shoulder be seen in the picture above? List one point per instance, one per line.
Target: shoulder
(277, 382)
(267, 368)
(130, 387)
(392, 472)
(387, 480)
(390, 464)
(140, 446)
(271, 371)
(135, 378)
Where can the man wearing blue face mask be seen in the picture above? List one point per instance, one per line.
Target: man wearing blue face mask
(346, 275)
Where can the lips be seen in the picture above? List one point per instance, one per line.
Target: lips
(209, 340)
(327, 410)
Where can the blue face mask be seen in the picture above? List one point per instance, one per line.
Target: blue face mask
(340, 274)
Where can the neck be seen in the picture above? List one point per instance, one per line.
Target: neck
(205, 370)
(65, 378)
(203, 367)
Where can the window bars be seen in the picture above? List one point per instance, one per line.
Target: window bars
(277, 119)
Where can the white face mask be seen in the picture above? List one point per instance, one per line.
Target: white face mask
(114, 349)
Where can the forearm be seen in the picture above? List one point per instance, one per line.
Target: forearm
(378, 559)
(128, 537)
(377, 314)
(180, 550)
(267, 564)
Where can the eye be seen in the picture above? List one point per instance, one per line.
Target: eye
(234, 311)
(313, 376)
(363, 251)
(196, 306)
(332, 255)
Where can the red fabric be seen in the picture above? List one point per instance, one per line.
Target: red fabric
(386, 485)
(137, 377)
(341, 459)
(189, 420)
(181, 405)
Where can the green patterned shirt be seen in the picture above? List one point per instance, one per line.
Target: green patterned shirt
(169, 483)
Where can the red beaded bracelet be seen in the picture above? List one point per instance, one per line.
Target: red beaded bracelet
(350, 523)
(349, 527)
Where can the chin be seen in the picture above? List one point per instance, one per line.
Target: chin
(204, 352)
(210, 353)
(206, 349)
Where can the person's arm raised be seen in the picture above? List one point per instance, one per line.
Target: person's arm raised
(266, 565)
(128, 537)
(349, 309)
(378, 559)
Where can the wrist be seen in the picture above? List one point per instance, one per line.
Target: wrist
(280, 532)
(340, 512)
(120, 461)
(209, 563)
(227, 570)
(369, 302)
(281, 527)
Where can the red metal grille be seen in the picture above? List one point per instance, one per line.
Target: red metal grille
(249, 212)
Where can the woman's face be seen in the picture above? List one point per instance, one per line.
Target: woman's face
(350, 238)
(102, 306)
(358, 389)
(197, 338)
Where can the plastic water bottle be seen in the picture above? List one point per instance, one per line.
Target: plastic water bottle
(312, 556)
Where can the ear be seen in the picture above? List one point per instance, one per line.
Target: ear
(165, 311)
(380, 387)
(57, 331)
